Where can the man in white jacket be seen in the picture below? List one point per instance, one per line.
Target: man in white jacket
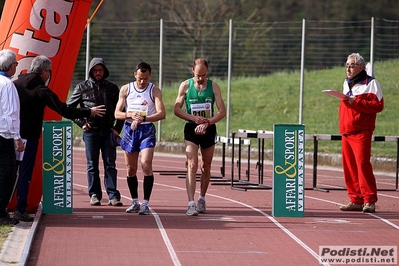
(10, 140)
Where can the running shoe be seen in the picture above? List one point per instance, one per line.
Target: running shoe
(144, 209)
(135, 207)
(191, 211)
(201, 206)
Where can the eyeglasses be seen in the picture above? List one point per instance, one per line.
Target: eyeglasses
(15, 63)
(353, 65)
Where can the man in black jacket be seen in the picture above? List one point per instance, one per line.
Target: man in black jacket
(97, 131)
(34, 96)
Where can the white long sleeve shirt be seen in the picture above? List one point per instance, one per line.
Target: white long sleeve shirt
(9, 109)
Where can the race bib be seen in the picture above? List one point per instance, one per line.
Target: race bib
(201, 109)
(138, 108)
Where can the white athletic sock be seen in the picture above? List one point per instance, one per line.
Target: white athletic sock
(201, 197)
(191, 202)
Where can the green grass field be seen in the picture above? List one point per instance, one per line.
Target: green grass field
(259, 103)
(4, 231)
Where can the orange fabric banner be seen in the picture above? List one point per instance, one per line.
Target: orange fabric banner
(53, 28)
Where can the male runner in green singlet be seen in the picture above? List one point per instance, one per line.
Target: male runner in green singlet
(199, 95)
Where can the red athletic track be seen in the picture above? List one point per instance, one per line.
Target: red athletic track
(238, 228)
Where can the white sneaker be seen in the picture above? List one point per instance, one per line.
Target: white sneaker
(94, 201)
(201, 206)
(369, 207)
(191, 211)
(135, 207)
(144, 209)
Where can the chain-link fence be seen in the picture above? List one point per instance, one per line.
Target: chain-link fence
(257, 48)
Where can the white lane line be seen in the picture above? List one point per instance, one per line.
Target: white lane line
(371, 214)
(161, 229)
(166, 240)
(169, 245)
(384, 220)
(388, 196)
(173, 254)
(288, 232)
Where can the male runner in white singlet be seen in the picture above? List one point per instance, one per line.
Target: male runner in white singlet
(140, 104)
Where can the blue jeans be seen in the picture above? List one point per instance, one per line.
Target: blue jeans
(96, 141)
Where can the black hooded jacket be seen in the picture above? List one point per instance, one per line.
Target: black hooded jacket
(34, 96)
(90, 93)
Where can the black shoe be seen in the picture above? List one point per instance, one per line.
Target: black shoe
(8, 221)
(25, 217)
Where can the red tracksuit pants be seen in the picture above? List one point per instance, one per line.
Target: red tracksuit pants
(358, 171)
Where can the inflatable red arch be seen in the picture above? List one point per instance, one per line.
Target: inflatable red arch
(53, 28)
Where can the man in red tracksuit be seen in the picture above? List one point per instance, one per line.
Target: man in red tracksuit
(357, 115)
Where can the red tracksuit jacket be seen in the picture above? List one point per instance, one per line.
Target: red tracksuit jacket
(362, 113)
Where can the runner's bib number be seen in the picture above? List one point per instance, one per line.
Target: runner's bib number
(142, 109)
(201, 109)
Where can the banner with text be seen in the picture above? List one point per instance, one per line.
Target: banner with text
(57, 167)
(53, 28)
(289, 170)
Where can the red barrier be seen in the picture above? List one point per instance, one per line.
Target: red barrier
(53, 28)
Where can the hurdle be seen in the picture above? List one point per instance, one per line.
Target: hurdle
(242, 184)
(318, 137)
(261, 135)
(225, 142)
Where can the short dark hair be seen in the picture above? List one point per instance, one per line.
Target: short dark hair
(143, 67)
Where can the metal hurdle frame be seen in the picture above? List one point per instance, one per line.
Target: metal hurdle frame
(226, 141)
(220, 180)
(247, 184)
(316, 139)
(261, 135)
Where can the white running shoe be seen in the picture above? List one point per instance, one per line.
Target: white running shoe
(135, 207)
(144, 209)
(201, 206)
(191, 211)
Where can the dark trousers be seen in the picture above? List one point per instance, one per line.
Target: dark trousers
(7, 173)
(25, 174)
